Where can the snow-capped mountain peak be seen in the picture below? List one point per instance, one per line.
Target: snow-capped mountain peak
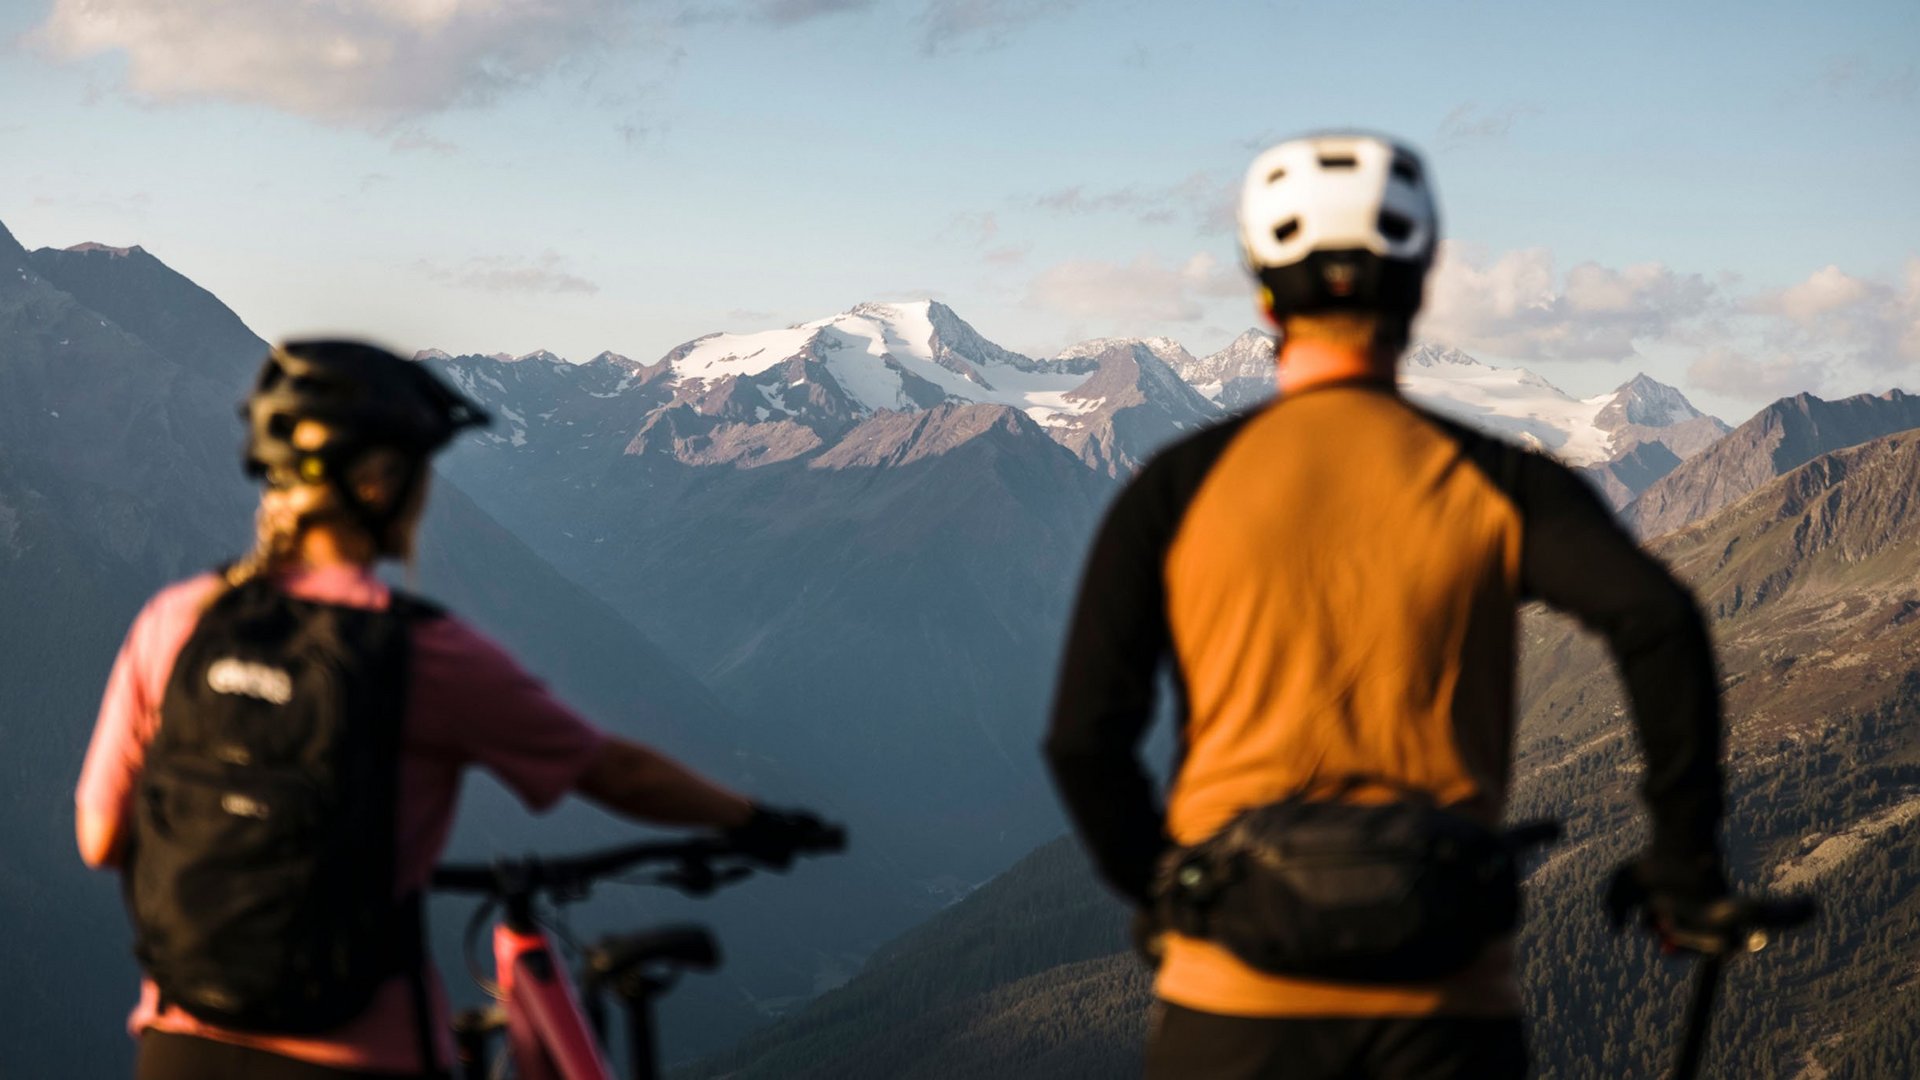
(882, 356)
(1165, 349)
(1642, 400)
(1427, 354)
(540, 355)
(433, 354)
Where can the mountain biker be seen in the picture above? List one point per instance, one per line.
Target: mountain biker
(341, 434)
(1334, 578)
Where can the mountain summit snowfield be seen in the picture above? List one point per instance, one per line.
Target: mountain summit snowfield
(1112, 401)
(1517, 403)
(899, 357)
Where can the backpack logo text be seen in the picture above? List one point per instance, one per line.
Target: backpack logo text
(249, 679)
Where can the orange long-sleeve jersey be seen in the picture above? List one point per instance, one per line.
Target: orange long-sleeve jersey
(1333, 580)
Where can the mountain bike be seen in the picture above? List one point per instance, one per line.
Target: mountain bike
(554, 1032)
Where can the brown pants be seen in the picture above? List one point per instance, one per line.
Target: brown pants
(166, 1056)
(1184, 1044)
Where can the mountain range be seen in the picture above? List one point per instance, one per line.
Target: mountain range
(751, 399)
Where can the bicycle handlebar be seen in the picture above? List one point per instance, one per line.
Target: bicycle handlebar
(1730, 924)
(693, 870)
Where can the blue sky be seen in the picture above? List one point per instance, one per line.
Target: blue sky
(1720, 194)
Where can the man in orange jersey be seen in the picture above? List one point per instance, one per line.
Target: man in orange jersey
(1334, 579)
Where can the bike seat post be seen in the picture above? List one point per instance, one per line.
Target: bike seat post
(636, 993)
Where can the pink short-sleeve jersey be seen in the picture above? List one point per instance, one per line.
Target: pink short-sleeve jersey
(468, 703)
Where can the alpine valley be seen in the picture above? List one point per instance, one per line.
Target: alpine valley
(831, 563)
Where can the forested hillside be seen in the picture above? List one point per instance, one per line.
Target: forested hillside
(1022, 975)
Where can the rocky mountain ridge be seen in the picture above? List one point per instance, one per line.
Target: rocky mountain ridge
(1778, 439)
(752, 399)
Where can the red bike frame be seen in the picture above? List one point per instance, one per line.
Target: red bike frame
(546, 1029)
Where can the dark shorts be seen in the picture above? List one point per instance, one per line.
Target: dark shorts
(1183, 1044)
(166, 1056)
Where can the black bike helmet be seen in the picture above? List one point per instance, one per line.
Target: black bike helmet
(366, 397)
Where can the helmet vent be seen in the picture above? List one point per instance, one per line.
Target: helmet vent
(1339, 161)
(1395, 227)
(1276, 176)
(1405, 169)
(1285, 230)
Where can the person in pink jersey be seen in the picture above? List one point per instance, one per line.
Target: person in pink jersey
(341, 433)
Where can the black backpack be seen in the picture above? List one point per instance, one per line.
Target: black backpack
(261, 877)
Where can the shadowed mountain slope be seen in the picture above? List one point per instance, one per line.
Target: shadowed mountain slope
(1782, 437)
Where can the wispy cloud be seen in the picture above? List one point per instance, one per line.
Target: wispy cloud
(1746, 343)
(1468, 124)
(360, 62)
(1727, 370)
(785, 12)
(1858, 76)
(1875, 324)
(1145, 290)
(1205, 199)
(1519, 306)
(414, 140)
(954, 25)
(547, 273)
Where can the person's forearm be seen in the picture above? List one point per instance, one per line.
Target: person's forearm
(1670, 678)
(100, 838)
(640, 783)
(1110, 800)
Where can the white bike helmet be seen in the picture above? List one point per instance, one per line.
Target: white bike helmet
(1339, 221)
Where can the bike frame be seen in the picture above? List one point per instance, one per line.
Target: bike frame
(548, 1033)
(546, 1030)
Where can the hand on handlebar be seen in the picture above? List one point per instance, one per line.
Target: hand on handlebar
(1696, 913)
(773, 837)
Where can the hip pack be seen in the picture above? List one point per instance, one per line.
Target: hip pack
(261, 877)
(1403, 891)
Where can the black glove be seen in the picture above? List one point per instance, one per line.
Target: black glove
(1687, 904)
(773, 837)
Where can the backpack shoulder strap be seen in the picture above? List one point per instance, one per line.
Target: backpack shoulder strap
(408, 606)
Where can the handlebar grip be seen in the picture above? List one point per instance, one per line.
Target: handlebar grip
(829, 839)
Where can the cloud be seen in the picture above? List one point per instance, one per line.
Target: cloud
(1206, 199)
(1142, 291)
(970, 228)
(414, 140)
(981, 24)
(501, 274)
(1518, 306)
(1854, 76)
(1468, 124)
(1725, 370)
(359, 62)
(786, 12)
(1833, 313)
